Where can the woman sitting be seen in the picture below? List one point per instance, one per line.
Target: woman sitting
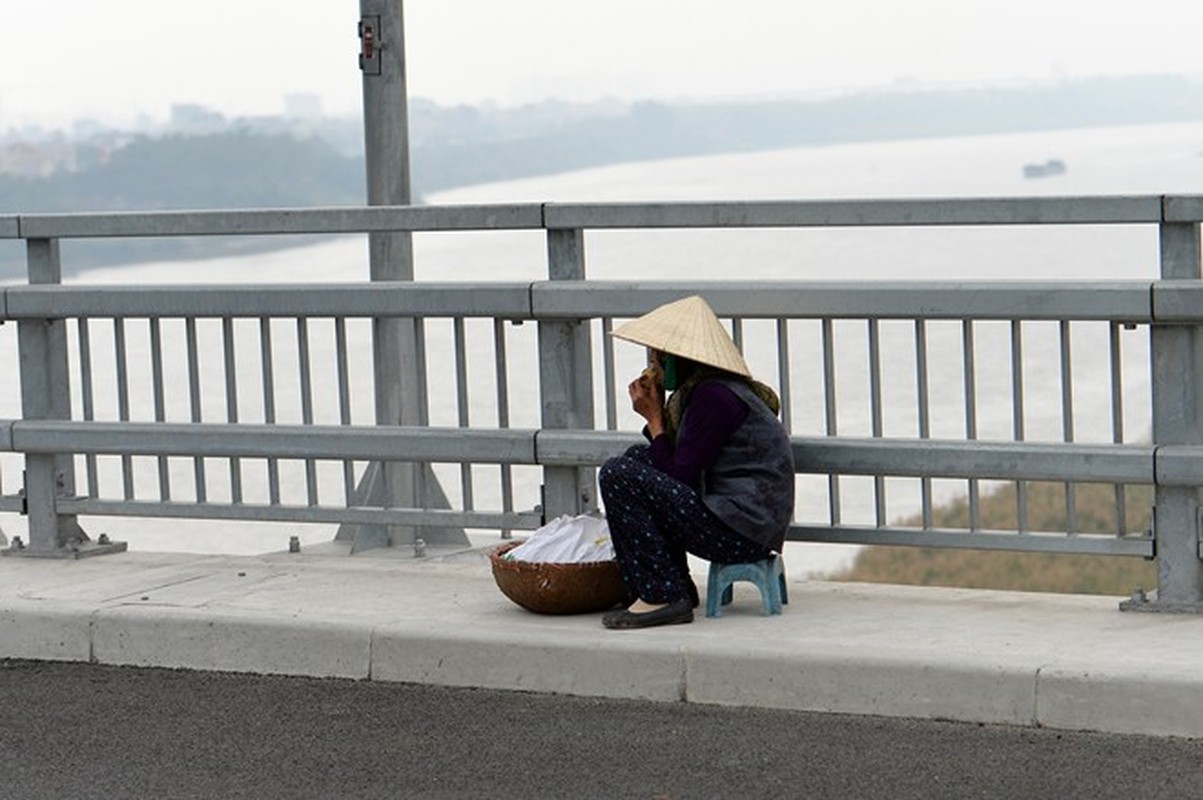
(716, 480)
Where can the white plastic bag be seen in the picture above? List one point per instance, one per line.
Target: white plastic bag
(567, 540)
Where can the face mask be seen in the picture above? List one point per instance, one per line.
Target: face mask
(669, 363)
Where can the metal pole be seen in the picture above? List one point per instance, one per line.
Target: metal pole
(390, 255)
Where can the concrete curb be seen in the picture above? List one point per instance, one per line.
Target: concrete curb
(44, 631)
(565, 665)
(142, 636)
(1156, 701)
(847, 682)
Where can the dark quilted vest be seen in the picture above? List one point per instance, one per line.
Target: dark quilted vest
(751, 484)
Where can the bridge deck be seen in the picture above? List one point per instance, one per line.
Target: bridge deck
(1066, 662)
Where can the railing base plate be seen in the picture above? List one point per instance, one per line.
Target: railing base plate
(85, 550)
(1153, 605)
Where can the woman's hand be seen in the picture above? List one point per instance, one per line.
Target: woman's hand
(647, 399)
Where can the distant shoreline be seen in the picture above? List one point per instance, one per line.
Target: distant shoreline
(82, 255)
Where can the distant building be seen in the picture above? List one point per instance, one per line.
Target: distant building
(192, 118)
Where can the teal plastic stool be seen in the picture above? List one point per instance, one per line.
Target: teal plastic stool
(768, 575)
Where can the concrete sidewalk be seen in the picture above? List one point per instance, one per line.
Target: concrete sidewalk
(1069, 662)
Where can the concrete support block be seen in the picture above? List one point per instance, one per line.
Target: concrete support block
(44, 632)
(1155, 700)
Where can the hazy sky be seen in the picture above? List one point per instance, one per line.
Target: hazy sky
(114, 59)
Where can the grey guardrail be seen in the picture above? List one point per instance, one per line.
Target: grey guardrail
(383, 299)
(1090, 210)
(1170, 302)
(1139, 545)
(6, 435)
(1103, 463)
(1031, 461)
(1093, 210)
(1122, 301)
(368, 443)
(373, 219)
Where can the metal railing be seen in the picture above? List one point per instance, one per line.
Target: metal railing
(254, 402)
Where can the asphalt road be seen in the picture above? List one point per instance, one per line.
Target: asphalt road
(88, 731)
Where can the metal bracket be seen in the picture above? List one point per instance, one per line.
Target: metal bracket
(72, 542)
(1199, 533)
(369, 45)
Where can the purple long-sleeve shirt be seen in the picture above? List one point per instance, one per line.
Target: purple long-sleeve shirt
(714, 412)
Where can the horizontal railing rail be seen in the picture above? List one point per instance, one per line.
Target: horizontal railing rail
(1130, 301)
(504, 301)
(1088, 210)
(1129, 464)
(1120, 301)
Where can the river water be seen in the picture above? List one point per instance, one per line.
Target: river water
(1121, 160)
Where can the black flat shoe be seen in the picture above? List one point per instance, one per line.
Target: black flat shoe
(675, 613)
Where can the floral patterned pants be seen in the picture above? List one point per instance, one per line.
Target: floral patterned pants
(655, 520)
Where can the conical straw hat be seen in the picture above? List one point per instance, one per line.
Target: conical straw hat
(687, 328)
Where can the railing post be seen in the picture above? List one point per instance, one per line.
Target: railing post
(566, 381)
(1177, 420)
(46, 394)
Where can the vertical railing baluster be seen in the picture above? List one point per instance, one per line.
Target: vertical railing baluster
(231, 375)
(420, 471)
(1117, 421)
(924, 413)
(267, 365)
(306, 387)
(344, 402)
(1018, 431)
(879, 481)
(156, 371)
(194, 403)
(969, 356)
(608, 375)
(461, 391)
(503, 414)
(422, 376)
(119, 351)
(88, 398)
(1067, 422)
(784, 381)
(829, 407)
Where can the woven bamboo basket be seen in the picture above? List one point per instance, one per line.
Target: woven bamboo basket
(547, 588)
